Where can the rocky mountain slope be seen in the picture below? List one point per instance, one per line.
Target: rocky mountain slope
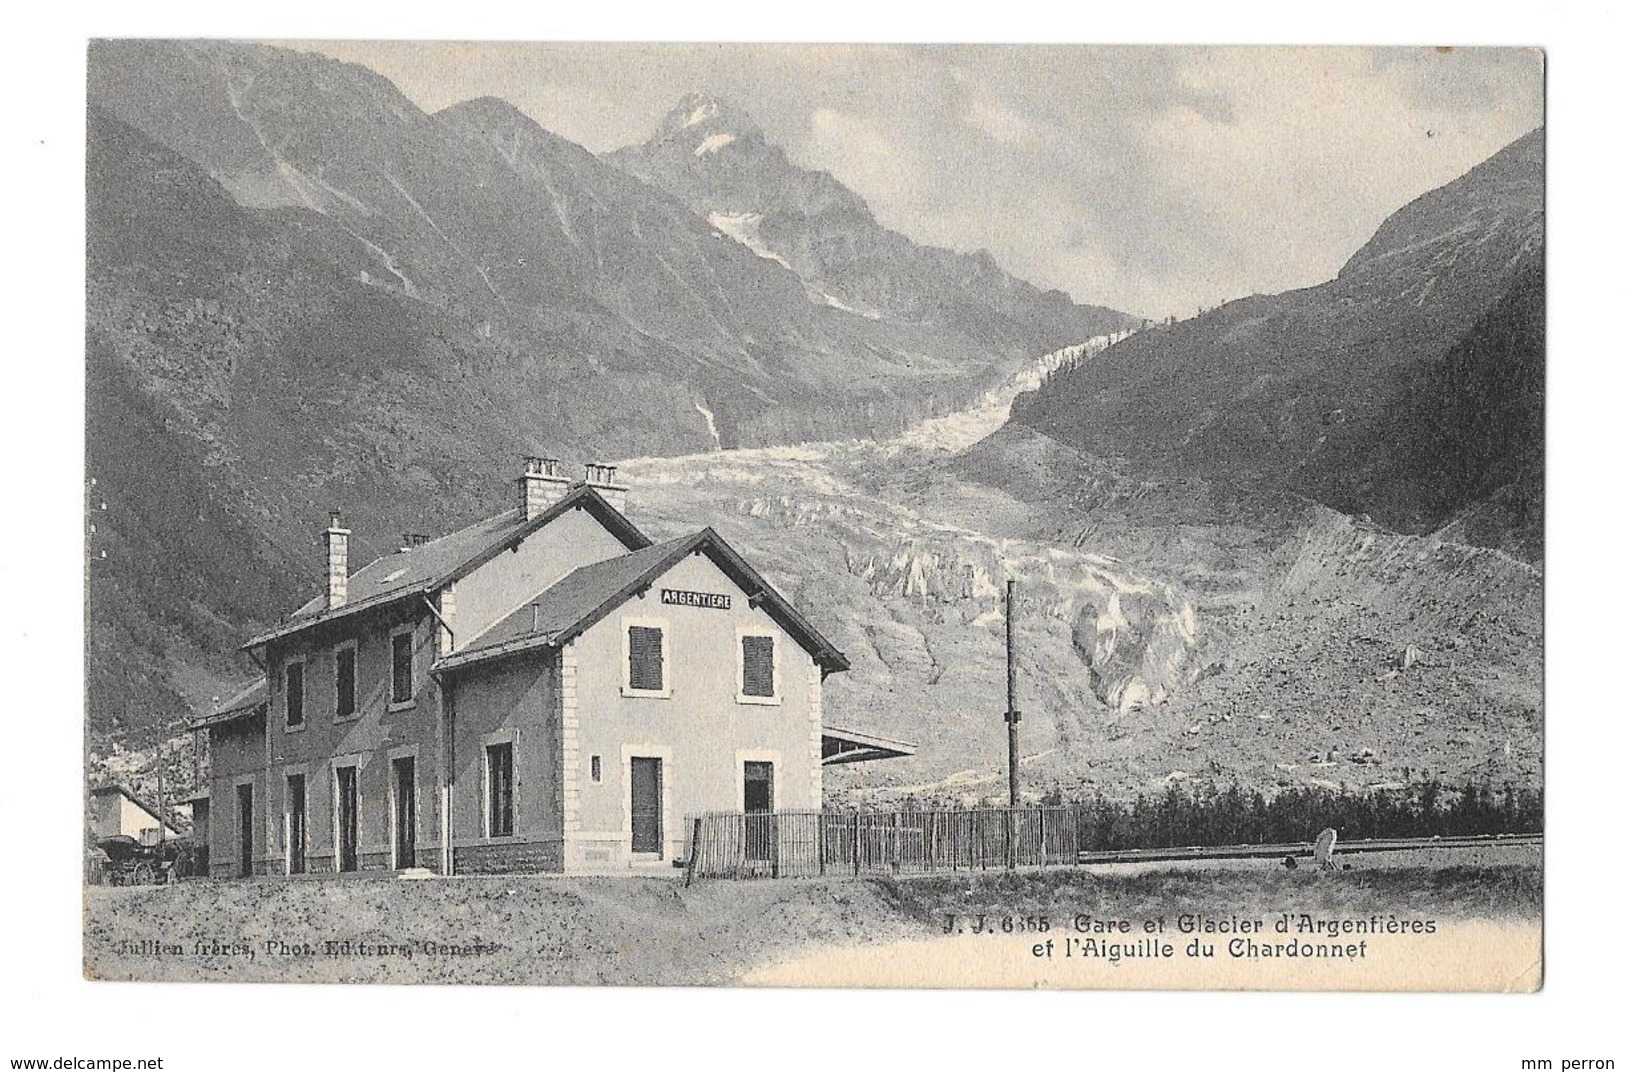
(304, 292)
(1409, 388)
(713, 157)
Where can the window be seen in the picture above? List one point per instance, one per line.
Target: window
(498, 790)
(344, 681)
(758, 777)
(295, 693)
(597, 768)
(646, 659)
(400, 677)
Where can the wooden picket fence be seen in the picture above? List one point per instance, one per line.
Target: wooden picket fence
(805, 843)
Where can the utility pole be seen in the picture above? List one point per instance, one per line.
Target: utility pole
(1012, 715)
(158, 748)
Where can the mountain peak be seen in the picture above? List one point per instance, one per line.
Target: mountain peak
(486, 112)
(702, 115)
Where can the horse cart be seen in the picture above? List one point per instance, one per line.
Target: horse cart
(127, 861)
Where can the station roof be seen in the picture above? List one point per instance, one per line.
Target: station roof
(588, 594)
(851, 746)
(433, 564)
(248, 700)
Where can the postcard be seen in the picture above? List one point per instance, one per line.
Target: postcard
(815, 515)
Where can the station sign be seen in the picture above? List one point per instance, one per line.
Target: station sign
(677, 597)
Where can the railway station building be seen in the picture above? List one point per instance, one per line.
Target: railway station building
(546, 690)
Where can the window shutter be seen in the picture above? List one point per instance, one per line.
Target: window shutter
(758, 657)
(401, 684)
(646, 648)
(345, 683)
(296, 694)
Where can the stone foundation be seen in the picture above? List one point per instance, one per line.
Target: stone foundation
(512, 858)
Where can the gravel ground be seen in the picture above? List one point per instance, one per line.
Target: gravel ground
(518, 929)
(637, 931)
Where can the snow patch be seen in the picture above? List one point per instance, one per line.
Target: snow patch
(701, 114)
(712, 143)
(710, 424)
(391, 265)
(746, 229)
(824, 297)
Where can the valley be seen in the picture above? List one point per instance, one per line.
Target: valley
(1166, 635)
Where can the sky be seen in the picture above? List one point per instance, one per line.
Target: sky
(1155, 180)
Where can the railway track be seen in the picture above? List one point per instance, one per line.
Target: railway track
(1280, 850)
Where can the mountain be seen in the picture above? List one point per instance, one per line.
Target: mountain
(524, 243)
(1410, 388)
(305, 292)
(712, 156)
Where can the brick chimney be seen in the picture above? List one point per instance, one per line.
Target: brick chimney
(338, 561)
(601, 478)
(543, 484)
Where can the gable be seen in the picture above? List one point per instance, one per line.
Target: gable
(116, 811)
(696, 584)
(585, 597)
(499, 586)
(767, 602)
(698, 605)
(133, 818)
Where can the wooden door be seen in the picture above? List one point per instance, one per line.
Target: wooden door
(346, 818)
(646, 805)
(245, 831)
(296, 824)
(406, 810)
(758, 812)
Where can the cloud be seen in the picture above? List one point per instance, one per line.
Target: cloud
(1320, 147)
(1002, 124)
(854, 147)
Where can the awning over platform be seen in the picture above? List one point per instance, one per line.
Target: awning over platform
(850, 746)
